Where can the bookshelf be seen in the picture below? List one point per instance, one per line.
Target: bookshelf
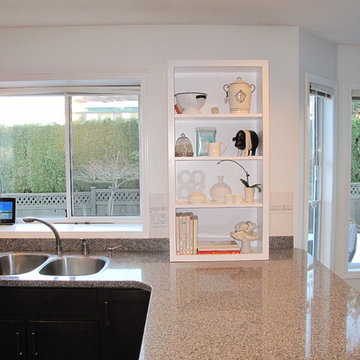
(217, 219)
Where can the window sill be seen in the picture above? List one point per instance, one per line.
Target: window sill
(70, 231)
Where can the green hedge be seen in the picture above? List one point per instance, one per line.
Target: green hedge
(355, 142)
(32, 157)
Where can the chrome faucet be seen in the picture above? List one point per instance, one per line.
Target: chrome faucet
(52, 228)
(85, 250)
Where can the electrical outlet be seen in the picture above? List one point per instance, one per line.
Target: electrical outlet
(158, 217)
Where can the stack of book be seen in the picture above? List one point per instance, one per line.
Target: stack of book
(187, 239)
(218, 247)
(186, 233)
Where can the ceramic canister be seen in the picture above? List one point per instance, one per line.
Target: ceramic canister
(238, 94)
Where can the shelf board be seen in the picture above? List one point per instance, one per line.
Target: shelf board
(212, 204)
(220, 257)
(216, 116)
(217, 158)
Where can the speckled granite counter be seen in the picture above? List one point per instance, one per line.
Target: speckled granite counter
(289, 307)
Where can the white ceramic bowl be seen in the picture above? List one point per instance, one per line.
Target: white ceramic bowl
(197, 198)
(191, 102)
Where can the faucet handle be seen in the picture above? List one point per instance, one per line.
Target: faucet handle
(84, 247)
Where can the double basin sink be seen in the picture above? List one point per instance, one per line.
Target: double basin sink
(51, 265)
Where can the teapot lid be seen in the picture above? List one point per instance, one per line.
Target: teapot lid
(239, 80)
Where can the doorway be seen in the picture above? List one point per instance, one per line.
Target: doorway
(319, 172)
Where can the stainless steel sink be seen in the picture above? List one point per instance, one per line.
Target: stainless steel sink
(20, 263)
(72, 265)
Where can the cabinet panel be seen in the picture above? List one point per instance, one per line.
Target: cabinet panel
(59, 340)
(123, 320)
(48, 303)
(12, 335)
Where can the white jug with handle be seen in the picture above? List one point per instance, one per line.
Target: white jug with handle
(238, 94)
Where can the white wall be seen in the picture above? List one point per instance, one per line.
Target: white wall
(106, 52)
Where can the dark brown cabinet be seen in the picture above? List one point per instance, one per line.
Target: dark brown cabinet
(49, 340)
(92, 324)
(12, 335)
(123, 314)
(59, 340)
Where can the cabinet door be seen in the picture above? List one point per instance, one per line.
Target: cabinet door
(12, 340)
(60, 340)
(123, 320)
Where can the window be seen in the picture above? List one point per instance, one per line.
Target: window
(73, 153)
(354, 226)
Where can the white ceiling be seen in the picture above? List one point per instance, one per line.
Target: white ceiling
(335, 20)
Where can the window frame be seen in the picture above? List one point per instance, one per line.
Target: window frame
(107, 226)
(343, 185)
(352, 267)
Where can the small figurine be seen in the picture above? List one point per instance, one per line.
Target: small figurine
(214, 110)
(183, 147)
(247, 226)
(243, 234)
(247, 142)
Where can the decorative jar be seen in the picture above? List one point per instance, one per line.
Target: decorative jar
(219, 190)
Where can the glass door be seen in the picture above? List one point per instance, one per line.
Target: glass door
(314, 171)
(319, 203)
(353, 254)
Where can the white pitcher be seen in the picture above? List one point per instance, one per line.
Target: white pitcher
(238, 94)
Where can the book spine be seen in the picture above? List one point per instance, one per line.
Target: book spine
(177, 234)
(219, 248)
(189, 235)
(217, 252)
(183, 235)
(195, 237)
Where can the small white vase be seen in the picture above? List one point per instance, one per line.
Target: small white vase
(249, 194)
(219, 191)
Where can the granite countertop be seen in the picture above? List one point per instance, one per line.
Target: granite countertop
(290, 307)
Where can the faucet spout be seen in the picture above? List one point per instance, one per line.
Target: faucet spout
(52, 228)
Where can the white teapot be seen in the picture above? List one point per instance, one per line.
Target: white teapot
(238, 94)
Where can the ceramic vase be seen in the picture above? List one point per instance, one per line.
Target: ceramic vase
(219, 191)
(249, 194)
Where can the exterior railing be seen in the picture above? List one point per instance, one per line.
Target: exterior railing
(355, 202)
(126, 202)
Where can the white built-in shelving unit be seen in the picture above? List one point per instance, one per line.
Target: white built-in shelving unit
(217, 220)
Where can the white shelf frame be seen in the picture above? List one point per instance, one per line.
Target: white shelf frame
(221, 66)
(213, 204)
(218, 158)
(216, 116)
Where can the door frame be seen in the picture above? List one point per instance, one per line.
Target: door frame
(328, 212)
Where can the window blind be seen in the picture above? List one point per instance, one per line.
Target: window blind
(321, 90)
(355, 94)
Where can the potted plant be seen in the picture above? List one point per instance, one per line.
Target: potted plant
(249, 190)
